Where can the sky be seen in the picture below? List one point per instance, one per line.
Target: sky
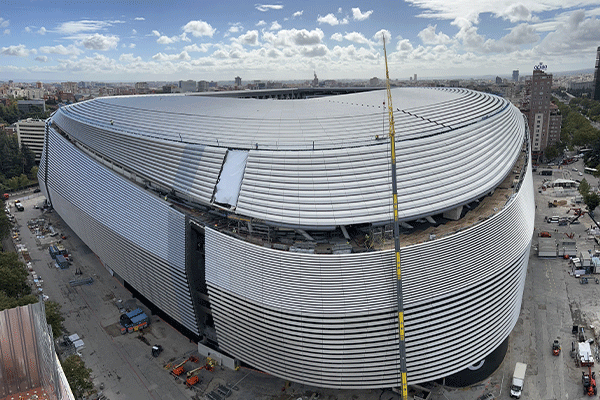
(136, 40)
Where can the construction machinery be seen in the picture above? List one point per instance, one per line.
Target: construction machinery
(556, 348)
(156, 350)
(192, 376)
(588, 380)
(179, 369)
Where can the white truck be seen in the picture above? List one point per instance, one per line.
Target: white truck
(518, 380)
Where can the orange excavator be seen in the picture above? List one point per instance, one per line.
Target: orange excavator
(588, 380)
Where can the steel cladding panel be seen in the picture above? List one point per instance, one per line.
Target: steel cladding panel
(134, 233)
(311, 163)
(330, 320)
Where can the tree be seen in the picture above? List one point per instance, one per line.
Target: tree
(584, 187)
(591, 200)
(11, 302)
(54, 318)
(14, 276)
(5, 224)
(77, 375)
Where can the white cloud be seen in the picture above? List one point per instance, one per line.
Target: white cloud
(298, 14)
(331, 20)
(199, 28)
(275, 26)
(165, 40)
(203, 48)
(294, 37)
(356, 37)
(139, 19)
(173, 39)
(249, 38)
(4, 22)
(339, 10)
(378, 36)
(27, 29)
(156, 33)
(132, 45)
(72, 27)
(41, 58)
(42, 31)
(133, 32)
(183, 56)
(404, 45)
(429, 37)
(261, 23)
(236, 27)
(337, 37)
(319, 50)
(128, 57)
(7, 32)
(98, 41)
(60, 49)
(17, 51)
(359, 16)
(267, 7)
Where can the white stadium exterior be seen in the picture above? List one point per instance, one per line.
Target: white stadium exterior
(262, 227)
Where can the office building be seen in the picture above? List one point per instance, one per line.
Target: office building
(30, 133)
(29, 106)
(597, 76)
(537, 107)
(188, 86)
(515, 75)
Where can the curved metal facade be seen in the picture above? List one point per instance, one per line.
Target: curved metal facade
(316, 162)
(312, 165)
(330, 320)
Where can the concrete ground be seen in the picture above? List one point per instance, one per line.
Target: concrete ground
(123, 367)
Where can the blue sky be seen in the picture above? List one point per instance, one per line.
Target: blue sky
(136, 40)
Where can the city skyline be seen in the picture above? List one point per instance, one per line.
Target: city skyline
(116, 41)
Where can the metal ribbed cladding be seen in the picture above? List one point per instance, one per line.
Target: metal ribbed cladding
(135, 234)
(329, 320)
(188, 168)
(463, 141)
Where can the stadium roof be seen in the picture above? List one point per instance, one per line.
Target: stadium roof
(315, 163)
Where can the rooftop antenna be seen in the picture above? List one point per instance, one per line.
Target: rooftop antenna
(399, 298)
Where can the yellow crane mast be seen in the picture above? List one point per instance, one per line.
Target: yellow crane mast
(400, 300)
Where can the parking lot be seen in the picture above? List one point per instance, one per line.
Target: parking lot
(124, 368)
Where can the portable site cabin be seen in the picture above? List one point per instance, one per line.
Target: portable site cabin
(567, 247)
(547, 247)
(61, 262)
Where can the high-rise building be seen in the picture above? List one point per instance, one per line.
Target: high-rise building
(188, 86)
(597, 76)
(415, 78)
(69, 87)
(515, 76)
(142, 87)
(30, 132)
(203, 86)
(538, 108)
(238, 81)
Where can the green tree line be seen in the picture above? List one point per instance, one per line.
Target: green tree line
(17, 164)
(10, 113)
